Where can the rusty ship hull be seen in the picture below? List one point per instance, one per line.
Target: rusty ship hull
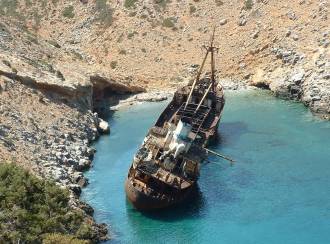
(146, 202)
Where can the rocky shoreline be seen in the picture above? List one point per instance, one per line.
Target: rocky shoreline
(50, 136)
(299, 79)
(119, 102)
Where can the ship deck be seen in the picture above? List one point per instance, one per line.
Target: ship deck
(166, 177)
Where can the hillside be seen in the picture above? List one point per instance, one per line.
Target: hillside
(157, 43)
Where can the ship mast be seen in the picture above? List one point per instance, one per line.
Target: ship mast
(197, 78)
(209, 49)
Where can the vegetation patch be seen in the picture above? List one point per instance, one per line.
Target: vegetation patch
(131, 34)
(9, 7)
(122, 52)
(37, 20)
(248, 4)
(161, 3)
(130, 3)
(32, 38)
(105, 13)
(77, 55)
(32, 209)
(132, 14)
(54, 2)
(113, 64)
(68, 12)
(169, 22)
(192, 9)
(54, 43)
(218, 3)
(64, 239)
(28, 3)
(4, 28)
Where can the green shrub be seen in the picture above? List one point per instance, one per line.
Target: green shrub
(122, 51)
(54, 2)
(104, 13)
(218, 2)
(161, 3)
(28, 3)
(4, 28)
(113, 64)
(63, 239)
(9, 7)
(131, 34)
(132, 14)
(31, 208)
(77, 55)
(68, 12)
(130, 3)
(84, 231)
(248, 4)
(54, 43)
(168, 22)
(192, 9)
(100, 4)
(33, 38)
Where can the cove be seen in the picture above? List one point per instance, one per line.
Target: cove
(278, 191)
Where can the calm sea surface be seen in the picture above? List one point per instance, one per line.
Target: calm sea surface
(278, 191)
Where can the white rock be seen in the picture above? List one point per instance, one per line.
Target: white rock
(223, 21)
(298, 77)
(103, 127)
(295, 37)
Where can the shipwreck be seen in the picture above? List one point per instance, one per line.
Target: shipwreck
(166, 167)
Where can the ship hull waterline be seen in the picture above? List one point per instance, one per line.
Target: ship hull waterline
(144, 202)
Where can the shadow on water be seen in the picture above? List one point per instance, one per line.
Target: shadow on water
(229, 133)
(189, 208)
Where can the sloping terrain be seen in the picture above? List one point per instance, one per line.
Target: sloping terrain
(154, 43)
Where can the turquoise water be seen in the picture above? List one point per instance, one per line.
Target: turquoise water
(278, 191)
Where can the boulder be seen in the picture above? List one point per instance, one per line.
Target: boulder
(223, 21)
(298, 77)
(103, 127)
(83, 164)
(75, 188)
(86, 208)
(280, 88)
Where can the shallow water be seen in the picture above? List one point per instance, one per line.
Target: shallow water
(278, 191)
